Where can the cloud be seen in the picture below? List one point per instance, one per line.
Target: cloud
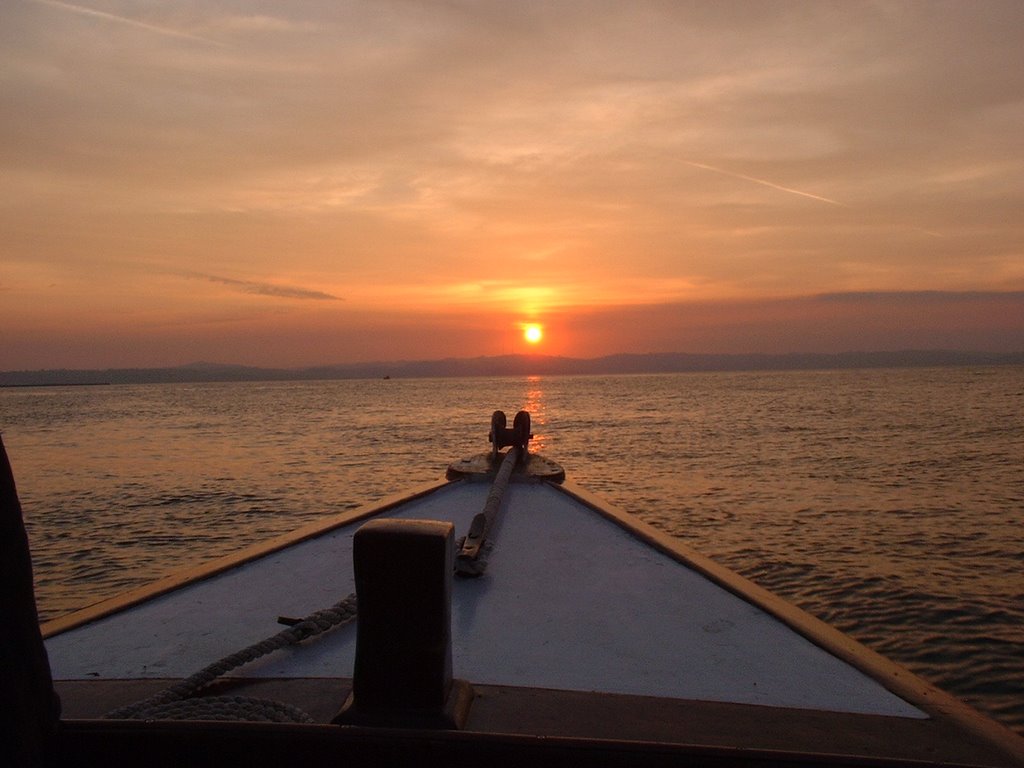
(267, 289)
(623, 153)
(855, 321)
(923, 297)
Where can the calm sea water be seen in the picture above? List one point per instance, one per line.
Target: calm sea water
(886, 502)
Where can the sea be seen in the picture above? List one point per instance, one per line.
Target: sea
(887, 502)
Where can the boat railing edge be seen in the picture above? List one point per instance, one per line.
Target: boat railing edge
(220, 743)
(895, 678)
(210, 568)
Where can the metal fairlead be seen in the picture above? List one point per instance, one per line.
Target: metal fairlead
(517, 437)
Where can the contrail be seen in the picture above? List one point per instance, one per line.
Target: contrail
(130, 22)
(765, 183)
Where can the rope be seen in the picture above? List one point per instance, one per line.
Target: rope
(473, 566)
(468, 561)
(176, 702)
(224, 708)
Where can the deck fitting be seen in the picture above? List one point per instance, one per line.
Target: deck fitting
(403, 663)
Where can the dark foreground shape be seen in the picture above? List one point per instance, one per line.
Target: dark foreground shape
(403, 668)
(31, 709)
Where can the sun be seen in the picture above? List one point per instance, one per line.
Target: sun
(533, 333)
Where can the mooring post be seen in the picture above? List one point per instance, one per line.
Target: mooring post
(403, 665)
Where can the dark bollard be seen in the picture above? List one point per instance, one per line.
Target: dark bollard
(403, 665)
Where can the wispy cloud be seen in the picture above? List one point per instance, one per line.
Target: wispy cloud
(921, 297)
(160, 30)
(266, 289)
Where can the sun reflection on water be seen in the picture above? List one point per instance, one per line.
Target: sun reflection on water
(533, 402)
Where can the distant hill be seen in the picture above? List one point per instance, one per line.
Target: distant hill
(512, 365)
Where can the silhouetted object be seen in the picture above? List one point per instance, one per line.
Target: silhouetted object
(517, 437)
(403, 665)
(31, 708)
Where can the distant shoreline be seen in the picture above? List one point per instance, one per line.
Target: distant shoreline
(57, 384)
(512, 365)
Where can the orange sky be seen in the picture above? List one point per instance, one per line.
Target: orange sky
(321, 182)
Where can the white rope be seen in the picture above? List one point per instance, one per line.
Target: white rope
(177, 702)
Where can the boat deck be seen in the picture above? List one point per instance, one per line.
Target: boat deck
(578, 629)
(589, 608)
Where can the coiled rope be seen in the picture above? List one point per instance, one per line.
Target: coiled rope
(177, 702)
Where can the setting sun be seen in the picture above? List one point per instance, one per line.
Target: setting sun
(533, 333)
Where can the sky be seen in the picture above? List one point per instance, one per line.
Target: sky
(316, 182)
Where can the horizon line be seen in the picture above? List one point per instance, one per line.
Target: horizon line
(451, 367)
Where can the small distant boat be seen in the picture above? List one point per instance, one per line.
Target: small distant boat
(502, 615)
